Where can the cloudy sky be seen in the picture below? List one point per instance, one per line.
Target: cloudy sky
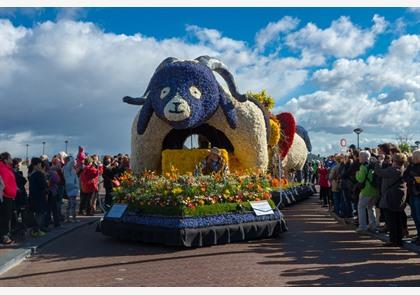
(63, 72)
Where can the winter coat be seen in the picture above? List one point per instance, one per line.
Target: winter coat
(346, 182)
(9, 180)
(364, 175)
(53, 180)
(412, 178)
(38, 190)
(109, 174)
(89, 179)
(71, 179)
(323, 177)
(394, 192)
(21, 195)
(334, 178)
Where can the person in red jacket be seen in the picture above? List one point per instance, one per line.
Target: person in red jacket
(324, 184)
(9, 194)
(89, 185)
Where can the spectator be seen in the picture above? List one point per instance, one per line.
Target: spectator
(346, 187)
(324, 184)
(8, 197)
(412, 177)
(72, 188)
(95, 195)
(21, 200)
(89, 185)
(334, 177)
(368, 194)
(394, 196)
(38, 195)
(354, 167)
(109, 175)
(54, 181)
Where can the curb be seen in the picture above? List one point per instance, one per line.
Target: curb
(15, 257)
(380, 236)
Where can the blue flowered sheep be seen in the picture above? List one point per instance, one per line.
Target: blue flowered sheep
(186, 94)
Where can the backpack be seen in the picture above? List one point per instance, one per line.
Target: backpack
(376, 180)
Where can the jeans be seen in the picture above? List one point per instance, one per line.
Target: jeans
(40, 221)
(52, 209)
(346, 204)
(366, 203)
(71, 207)
(324, 195)
(394, 221)
(415, 212)
(60, 197)
(6, 212)
(85, 203)
(108, 197)
(337, 203)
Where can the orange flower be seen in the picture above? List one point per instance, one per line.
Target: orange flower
(250, 185)
(275, 182)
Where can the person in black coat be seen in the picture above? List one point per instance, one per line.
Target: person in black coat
(38, 195)
(109, 174)
(393, 197)
(21, 200)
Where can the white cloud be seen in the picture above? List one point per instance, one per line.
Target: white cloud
(341, 39)
(272, 31)
(379, 94)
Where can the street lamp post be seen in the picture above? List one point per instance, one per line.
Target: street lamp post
(27, 154)
(358, 131)
(66, 142)
(417, 143)
(43, 147)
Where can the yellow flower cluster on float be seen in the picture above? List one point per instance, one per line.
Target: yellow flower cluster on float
(186, 160)
(274, 132)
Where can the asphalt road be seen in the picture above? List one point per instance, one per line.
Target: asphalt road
(317, 251)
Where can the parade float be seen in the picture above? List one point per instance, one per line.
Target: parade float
(167, 200)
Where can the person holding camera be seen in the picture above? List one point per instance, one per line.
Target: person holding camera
(368, 194)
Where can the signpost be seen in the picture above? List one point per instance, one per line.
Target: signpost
(117, 211)
(261, 208)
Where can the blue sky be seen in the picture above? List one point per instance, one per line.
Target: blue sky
(312, 60)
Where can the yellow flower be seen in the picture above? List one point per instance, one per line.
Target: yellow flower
(177, 191)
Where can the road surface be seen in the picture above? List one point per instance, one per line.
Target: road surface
(317, 251)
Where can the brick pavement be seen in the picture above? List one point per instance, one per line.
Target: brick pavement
(317, 251)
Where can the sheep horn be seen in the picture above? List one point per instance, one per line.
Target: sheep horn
(134, 100)
(166, 61)
(220, 68)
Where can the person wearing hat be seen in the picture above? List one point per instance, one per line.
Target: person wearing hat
(213, 163)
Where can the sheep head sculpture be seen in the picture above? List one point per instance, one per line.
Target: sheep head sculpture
(186, 93)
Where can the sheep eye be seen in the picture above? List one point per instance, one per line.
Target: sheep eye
(165, 91)
(195, 92)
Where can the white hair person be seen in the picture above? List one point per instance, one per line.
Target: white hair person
(364, 156)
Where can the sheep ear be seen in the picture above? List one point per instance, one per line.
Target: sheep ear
(228, 109)
(166, 61)
(144, 117)
(134, 100)
(220, 68)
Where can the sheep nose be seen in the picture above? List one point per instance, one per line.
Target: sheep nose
(176, 105)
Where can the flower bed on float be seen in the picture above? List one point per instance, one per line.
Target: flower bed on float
(188, 195)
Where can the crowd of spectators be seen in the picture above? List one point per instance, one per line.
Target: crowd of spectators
(370, 187)
(35, 202)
